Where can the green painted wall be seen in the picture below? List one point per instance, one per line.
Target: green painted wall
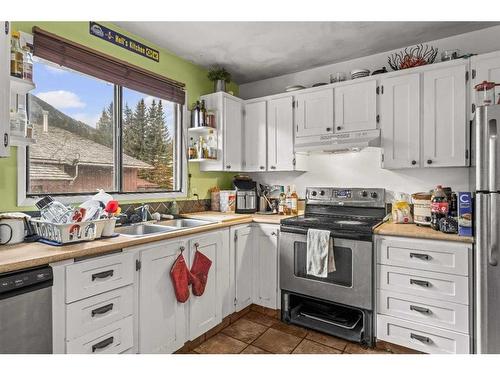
(170, 65)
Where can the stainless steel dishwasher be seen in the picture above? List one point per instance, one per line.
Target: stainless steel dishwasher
(26, 311)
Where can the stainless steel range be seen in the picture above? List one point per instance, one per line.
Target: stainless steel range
(340, 304)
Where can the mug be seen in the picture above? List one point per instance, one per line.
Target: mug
(11, 231)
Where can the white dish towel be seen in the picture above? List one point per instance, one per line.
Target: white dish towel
(320, 258)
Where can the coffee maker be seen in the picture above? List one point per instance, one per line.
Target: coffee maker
(246, 195)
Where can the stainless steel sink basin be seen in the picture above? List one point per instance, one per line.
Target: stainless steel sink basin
(141, 230)
(185, 223)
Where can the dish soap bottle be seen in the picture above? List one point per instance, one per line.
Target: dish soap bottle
(282, 202)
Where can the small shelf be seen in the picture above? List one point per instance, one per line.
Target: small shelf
(202, 130)
(18, 140)
(20, 86)
(201, 160)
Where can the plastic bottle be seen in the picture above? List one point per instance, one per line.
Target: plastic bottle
(439, 206)
(282, 202)
(294, 201)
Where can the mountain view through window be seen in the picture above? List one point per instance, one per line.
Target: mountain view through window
(73, 121)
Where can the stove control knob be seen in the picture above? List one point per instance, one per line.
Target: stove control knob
(374, 195)
(314, 193)
(322, 192)
(364, 193)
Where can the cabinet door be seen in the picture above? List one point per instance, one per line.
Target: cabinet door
(162, 320)
(243, 256)
(444, 122)
(314, 113)
(255, 137)
(280, 155)
(205, 311)
(233, 140)
(400, 121)
(266, 266)
(356, 107)
(485, 68)
(5, 91)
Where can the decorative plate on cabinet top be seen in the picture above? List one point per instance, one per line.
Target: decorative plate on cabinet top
(294, 88)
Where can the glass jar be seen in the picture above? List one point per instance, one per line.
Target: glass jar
(53, 211)
(485, 93)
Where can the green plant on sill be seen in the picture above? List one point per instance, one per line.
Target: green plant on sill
(216, 73)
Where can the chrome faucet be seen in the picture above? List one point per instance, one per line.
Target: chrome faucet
(144, 211)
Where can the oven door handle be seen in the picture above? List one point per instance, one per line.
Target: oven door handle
(293, 230)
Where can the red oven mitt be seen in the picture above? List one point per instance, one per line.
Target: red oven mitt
(179, 273)
(199, 273)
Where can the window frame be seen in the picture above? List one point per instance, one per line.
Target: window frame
(180, 166)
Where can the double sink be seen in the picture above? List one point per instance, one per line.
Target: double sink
(149, 229)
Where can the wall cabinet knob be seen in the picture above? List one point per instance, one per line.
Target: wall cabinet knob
(262, 167)
(328, 129)
(228, 167)
(429, 161)
(273, 167)
(339, 127)
(413, 162)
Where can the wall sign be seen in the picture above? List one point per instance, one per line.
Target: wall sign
(123, 41)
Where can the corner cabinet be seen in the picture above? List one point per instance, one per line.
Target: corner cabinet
(5, 91)
(255, 135)
(423, 117)
(229, 111)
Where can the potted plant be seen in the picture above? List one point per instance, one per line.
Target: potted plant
(219, 76)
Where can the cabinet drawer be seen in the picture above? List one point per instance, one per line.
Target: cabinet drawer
(435, 285)
(427, 311)
(96, 312)
(91, 277)
(427, 255)
(112, 339)
(421, 337)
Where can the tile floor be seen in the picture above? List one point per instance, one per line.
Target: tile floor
(259, 333)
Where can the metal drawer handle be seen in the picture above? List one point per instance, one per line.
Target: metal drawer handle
(102, 310)
(419, 309)
(420, 282)
(102, 275)
(420, 256)
(420, 338)
(103, 344)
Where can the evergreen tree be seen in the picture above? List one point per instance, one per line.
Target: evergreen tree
(105, 126)
(134, 133)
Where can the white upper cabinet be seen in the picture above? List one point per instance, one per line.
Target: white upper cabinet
(255, 145)
(314, 113)
(233, 134)
(444, 117)
(205, 311)
(356, 107)
(243, 257)
(266, 266)
(229, 110)
(5, 88)
(280, 155)
(485, 68)
(400, 121)
(162, 320)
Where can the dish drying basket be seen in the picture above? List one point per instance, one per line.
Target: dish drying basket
(69, 233)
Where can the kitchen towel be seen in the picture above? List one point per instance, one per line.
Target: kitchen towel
(179, 274)
(198, 276)
(320, 258)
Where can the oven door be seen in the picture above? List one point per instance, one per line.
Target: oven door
(352, 282)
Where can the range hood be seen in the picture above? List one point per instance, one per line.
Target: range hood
(352, 141)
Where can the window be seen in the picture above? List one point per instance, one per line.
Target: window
(80, 146)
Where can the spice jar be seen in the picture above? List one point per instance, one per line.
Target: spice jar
(485, 93)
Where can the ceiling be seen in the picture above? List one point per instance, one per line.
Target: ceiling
(256, 50)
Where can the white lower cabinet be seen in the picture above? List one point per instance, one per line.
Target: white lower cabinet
(162, 320)
(265, 290)
(205, 312)
(423, 299)
(243, 250)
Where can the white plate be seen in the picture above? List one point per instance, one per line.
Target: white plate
(294, 88)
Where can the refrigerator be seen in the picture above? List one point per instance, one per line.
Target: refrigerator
(485, 182)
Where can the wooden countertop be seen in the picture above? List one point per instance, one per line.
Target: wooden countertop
(27, 255)
(415, 231)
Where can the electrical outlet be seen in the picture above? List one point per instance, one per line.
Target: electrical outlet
(194, 191)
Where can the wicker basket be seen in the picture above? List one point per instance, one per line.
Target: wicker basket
(69, 233)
